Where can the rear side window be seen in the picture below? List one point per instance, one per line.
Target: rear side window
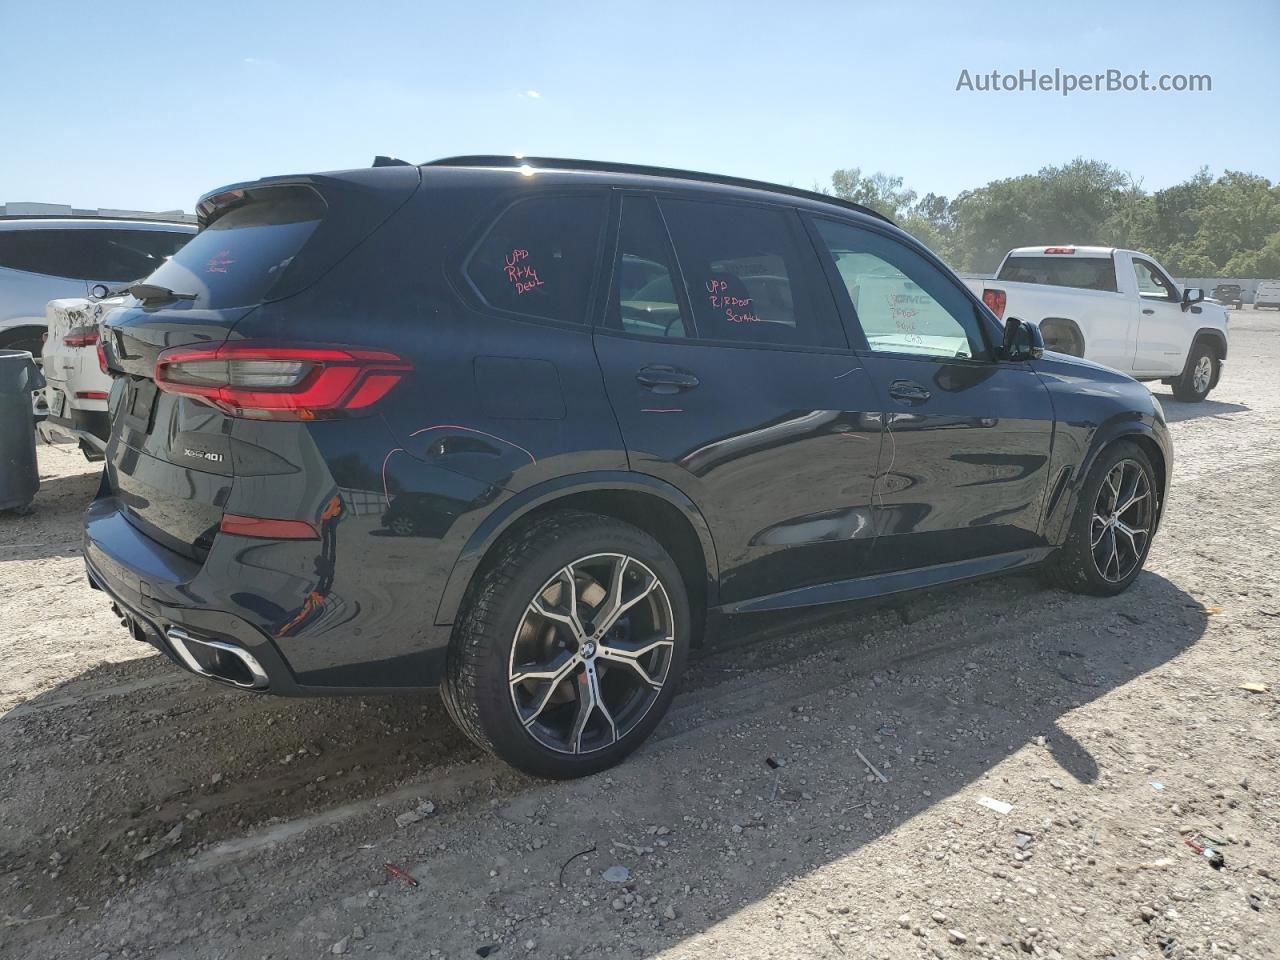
(237, 259)
(751, 274)
(109, 255)
(539, 257)
(645, 301)
(1062, 270)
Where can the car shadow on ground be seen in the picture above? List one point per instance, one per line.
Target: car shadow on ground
(1175, 411)
(936, 704)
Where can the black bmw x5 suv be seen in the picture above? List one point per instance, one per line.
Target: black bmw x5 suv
(528, 430)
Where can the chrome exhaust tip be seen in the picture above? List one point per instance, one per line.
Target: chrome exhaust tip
(253, 677)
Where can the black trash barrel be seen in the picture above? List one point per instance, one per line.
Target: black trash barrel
(19, 478)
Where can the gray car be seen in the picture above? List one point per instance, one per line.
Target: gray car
(44, 258)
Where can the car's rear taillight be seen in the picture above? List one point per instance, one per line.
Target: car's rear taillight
(264, 381)
(102, 358)
(995, 299)
(81, 337)
(1059, 250)
(267, 528)
(91, 395)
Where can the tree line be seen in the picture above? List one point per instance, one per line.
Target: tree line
(1228, 226)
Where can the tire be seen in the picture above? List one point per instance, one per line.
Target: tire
(509, 627)
(1200, 375)
(1083, 563)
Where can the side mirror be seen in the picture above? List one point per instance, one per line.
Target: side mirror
(1191, 295)
(1022, 341)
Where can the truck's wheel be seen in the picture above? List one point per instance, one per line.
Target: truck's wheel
(1200, 375)
(1110, 534)
(570, 647)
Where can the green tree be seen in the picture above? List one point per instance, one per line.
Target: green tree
(1067, 204)
(879, 191)
(1200, 227)
(927, 218)
(1260, 264)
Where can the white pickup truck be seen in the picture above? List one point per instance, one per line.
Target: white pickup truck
(1115, 307)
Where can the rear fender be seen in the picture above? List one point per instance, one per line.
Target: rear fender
(544, 494)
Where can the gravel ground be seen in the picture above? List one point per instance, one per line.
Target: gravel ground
(145, 814)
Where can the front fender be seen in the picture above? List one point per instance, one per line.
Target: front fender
(532, 498)
(1150, 431)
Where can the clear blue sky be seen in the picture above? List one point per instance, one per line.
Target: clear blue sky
(148, 105)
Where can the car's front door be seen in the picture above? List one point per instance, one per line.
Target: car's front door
(1162, 326)
(732, 380)
(965, 458)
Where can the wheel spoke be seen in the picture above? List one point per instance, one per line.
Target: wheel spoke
(589, 701)
(1100, 525)
(1132, 533)
(630, 657)
(561, 612)
(1110, 554)
(549, 677)
(1135, 492)
(615, 604)
(1113, 484)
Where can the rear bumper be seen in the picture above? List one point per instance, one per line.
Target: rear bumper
(160, 597)
(139, 576)
(91, 427)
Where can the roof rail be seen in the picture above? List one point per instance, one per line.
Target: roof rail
(604, 166)
(185, 219)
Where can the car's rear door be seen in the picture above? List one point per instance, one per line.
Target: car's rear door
(732, 380)
(966, 452)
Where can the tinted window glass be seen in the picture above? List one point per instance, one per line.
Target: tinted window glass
(1151, 282)
(539, 257)
(109, 255)
(1062, 270)
(751, 274)
(235, 260)
(903, 302)
(645, 300)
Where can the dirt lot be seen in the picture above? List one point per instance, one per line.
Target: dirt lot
(146, 814)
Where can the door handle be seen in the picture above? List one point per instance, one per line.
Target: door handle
(664, 379)
(908, 391)
(1148, 311)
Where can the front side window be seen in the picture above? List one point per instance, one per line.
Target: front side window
(539, 257)
(904, 303)
(645, 300)
(1151, 282)
(751, 274)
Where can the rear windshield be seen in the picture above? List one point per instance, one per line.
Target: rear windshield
(237, 259)
(1062, 270)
